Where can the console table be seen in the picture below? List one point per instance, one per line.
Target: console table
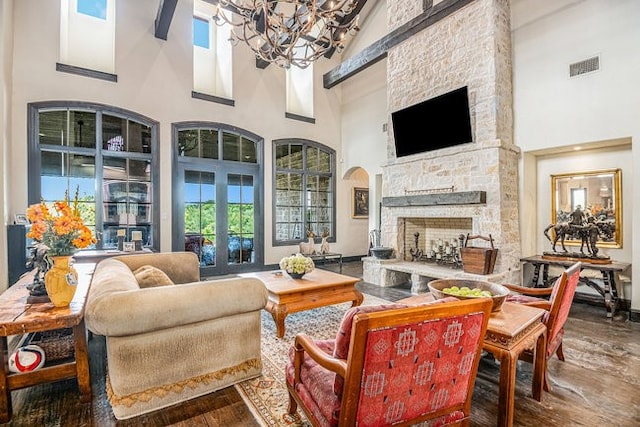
(609, 290)
(17, 317)
(328, 256)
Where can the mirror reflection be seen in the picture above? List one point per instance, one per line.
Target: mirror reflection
(596, 195)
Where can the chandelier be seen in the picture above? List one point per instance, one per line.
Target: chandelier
(288, 32)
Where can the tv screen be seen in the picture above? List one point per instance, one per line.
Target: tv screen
(436, 123)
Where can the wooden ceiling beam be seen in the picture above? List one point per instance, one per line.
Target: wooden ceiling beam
(378, 50)
(164, 17)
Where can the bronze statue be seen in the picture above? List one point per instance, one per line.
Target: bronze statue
(38, 260)
(583, 227)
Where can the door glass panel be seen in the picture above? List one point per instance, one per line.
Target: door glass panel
(241, 218)
(231, 147)
(199, 215)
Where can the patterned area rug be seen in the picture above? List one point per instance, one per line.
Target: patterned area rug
(266, 396)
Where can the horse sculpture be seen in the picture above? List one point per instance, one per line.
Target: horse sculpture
(587, 234)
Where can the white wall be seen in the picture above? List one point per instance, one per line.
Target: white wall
(364, 111)
(155, 80)
(554, 113)
(6, 39)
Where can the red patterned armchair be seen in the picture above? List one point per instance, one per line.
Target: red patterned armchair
(558, 305)
(391, 365)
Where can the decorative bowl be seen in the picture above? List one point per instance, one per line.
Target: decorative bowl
(382, 252)
(499, 293)
(296, 275)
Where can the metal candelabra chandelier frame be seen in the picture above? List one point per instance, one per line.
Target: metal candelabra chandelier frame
(288, 32)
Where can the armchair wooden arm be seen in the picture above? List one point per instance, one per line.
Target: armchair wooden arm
(304, 343)
(534, 292)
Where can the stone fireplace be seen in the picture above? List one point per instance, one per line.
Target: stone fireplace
(470, 188)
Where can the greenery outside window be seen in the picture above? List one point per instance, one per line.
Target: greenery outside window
(304, 182)
(108, 155)
(217, 196)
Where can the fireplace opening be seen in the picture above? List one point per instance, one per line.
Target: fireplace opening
(433, 239)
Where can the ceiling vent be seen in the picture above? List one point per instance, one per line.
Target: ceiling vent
(584, 67)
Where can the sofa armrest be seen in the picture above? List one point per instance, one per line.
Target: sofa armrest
(131, 312)
(181, 267)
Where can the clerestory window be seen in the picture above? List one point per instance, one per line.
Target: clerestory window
(304, 181)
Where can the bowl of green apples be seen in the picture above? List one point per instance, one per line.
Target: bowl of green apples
(467, 289)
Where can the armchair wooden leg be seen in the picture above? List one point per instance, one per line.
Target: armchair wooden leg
(559, 352)
(293, 405)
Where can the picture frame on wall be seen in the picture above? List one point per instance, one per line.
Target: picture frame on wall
(21, 219)
(360, 203)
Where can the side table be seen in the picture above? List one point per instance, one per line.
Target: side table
(17, 317)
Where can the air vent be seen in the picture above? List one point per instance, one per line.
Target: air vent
(583, 67)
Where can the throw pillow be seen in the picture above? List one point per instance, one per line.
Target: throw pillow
(149, 276)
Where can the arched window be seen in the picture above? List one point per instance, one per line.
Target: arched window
(217, 196)
(108, 154)
(305, 186)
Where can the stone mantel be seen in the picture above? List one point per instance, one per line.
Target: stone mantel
(437, 199)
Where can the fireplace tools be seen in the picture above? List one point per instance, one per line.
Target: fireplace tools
(442, 252)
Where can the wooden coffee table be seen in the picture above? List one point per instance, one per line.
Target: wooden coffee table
(316, 289)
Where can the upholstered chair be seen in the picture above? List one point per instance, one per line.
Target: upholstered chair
(556, 300)
(391, 365)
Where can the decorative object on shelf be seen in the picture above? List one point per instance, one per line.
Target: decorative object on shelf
(324, 246)
(297, 265)
(382, 252)
(120, 236)
(360, 203)
(26, 359)
(41, 263)
(128, 247)
(63, 232)
(478, 260)
(288, 32)
(61, 281)
(136, 237)
(21, 219)
(308, 248)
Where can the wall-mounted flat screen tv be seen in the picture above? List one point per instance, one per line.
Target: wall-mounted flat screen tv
(440, 122)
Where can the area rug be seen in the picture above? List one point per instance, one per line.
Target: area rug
(266, 396)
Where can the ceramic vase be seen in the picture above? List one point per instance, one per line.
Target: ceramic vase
(61, 281)
(296, 275)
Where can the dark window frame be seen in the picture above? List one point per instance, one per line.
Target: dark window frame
(220, 167)
(35, 167)
(305, 173)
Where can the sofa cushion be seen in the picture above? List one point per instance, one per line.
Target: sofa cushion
(149, 276)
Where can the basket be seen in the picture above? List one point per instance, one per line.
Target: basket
(57, 344)
(478, 260)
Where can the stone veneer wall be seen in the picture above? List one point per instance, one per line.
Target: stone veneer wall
(471, 47)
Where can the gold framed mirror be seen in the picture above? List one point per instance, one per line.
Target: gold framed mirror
(597, 194)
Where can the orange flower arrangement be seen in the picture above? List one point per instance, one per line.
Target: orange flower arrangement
(63, 232)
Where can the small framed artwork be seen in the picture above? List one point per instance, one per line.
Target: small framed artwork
(128, 247)
(21, 219)
(360, 202)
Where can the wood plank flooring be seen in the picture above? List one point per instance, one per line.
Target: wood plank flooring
(598, 384)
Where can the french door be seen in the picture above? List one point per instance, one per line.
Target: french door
(219, 217)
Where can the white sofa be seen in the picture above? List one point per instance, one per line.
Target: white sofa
(168, 344)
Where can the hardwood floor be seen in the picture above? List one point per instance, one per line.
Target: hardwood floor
(597, 384)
